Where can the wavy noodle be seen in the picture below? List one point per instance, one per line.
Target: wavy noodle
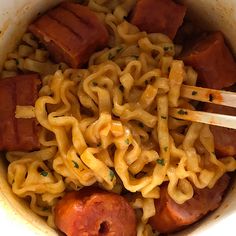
(109, 124)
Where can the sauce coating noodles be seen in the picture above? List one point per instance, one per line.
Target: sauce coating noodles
(109, 124)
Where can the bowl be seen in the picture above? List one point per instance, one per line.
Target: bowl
(15, 15)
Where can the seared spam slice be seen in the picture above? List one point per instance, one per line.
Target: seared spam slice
(213, 61)
(158, 16)
(71, 33)
(18, 134)
(97, 31)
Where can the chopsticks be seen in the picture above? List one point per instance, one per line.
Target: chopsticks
(219, 97)
(204, 117)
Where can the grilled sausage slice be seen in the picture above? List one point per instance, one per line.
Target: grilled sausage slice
(158, 16)
(95, 212)
(171, 216)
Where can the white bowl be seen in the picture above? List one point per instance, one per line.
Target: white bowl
(15, 15)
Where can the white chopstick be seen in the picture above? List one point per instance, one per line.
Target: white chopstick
(209, 95)
(204, 117)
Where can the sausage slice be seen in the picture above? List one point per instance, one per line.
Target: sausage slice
(94, 212)
(224, 138)
(213, 62)
(158, 16)
(171, 216)
(71, 32)
(18, 134)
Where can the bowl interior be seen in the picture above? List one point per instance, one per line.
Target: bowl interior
(15, 16)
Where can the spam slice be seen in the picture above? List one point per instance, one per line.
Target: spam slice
(213, 62)
(18, 134)
(71, 33)
(224, 138)
(97, 30)
(171, 216)
(158, 16)
(94, 212)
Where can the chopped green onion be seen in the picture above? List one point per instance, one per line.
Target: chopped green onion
(167, 48)
(182, 112)
(112, 175)
(119, 49)
(110, 56)
(44, 173)
(161, 162)
(75, 164)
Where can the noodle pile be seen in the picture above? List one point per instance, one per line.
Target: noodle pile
(109, 125)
